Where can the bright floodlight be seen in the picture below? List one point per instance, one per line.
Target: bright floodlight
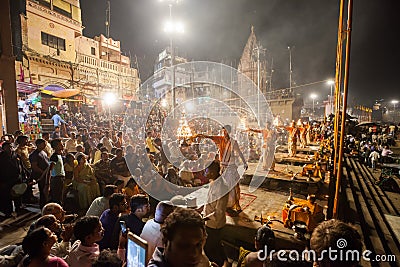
(170, 1)
(394, 102)
(173, 27)
(330, 82)
(109, 98)
(179, 28)
(313, 96)
(164, 103)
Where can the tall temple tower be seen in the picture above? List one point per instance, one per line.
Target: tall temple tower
(253, 62)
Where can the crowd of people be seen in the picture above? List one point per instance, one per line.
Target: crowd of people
(95, 169)
(177, 236)
(373, 144)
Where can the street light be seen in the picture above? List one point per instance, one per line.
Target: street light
(290, 68)
(331, 83)
(171, 28)
(109, 99)
(394, 102)
(257, 54)
(313, 97)
(164, 103)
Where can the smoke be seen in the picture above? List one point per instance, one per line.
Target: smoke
(217, 30)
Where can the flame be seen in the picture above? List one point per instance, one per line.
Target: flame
(276, 121)
(184, 130)
(242, 123)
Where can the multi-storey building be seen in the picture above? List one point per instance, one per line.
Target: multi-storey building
(53, 53)
(162, 79)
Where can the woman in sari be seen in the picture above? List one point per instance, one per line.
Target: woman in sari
(85, 183)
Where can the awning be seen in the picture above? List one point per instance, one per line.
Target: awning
(62, 93)
(27, 88)
(54, 88)
(67, 99)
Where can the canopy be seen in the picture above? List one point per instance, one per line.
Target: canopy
(27, 88)
(62, 93)
(67, 99)
(366, 124)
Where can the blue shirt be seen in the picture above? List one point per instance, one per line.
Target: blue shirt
(57, 119)
(108, 220)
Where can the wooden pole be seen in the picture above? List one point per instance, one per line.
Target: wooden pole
(338, 76)
(345, 94)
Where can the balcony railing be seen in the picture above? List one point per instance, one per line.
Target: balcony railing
(105, 65)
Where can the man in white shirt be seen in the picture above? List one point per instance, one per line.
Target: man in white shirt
(107, 142)
(100, 204)
(151, 231)
(374, 156)
(70, 144)
(214, 211)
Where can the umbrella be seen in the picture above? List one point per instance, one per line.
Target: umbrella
(66, 93)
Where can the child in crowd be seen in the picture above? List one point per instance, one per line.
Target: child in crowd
(88, 230)
(131, 188)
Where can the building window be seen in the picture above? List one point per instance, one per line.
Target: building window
(93, 51)
(53, 41)
(45, 3)
(62, 7)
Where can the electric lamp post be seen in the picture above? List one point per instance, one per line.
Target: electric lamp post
(313, 97)
(109, 99)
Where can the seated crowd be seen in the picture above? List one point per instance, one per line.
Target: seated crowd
(176, 237)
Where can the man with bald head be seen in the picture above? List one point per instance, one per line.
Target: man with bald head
(53, 209)
(151, 231)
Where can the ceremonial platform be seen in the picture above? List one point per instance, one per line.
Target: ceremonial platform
(269, 199)
(241, 229)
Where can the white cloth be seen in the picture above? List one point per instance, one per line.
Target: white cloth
(386, 152)
(151, 233)
(374, 156)
(82, 256)
(97, 207)
(60, 249)
(21, 117)
(70, 145)
(216, 212)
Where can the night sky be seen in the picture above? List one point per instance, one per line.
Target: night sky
(217, 30)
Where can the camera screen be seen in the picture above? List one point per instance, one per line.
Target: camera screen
(136, 255)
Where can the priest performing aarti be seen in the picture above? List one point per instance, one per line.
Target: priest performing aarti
(228, 153)
(303, 133)
(293, 132)
(268, 145)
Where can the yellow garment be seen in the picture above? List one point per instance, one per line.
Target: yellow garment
(97, 156)
(131, 192)
(69, 168)
(23, 153)
(242, 255)
(150, 145)
(88, 188)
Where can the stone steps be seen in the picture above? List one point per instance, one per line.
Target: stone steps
(366, 207)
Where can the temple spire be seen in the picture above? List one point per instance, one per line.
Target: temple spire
(248, 61)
